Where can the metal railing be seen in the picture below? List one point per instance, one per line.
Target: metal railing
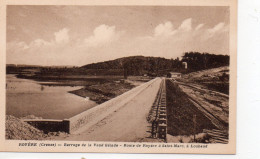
(158, 114)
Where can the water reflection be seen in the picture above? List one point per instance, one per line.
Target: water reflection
(27, 97)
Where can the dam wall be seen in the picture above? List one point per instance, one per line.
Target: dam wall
(86, 119)
(49, 125)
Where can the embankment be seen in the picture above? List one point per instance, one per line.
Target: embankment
(216, 79)
(181, 111)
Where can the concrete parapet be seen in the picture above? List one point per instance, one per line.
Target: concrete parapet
(66, 125)
(49, 125)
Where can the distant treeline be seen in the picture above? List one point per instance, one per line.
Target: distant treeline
(157, 66)
(199, 61)
(135, 65)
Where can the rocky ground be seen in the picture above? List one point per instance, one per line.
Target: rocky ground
(216, 79)
(199, 138)
(16, 129)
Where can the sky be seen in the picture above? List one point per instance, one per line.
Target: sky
(79, 35)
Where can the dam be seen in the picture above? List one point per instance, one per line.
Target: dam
(123, 118)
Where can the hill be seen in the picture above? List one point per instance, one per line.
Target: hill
(134, 65)
(158, 66)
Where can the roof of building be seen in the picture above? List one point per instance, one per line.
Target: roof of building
(175, 73)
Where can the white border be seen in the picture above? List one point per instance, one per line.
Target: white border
(99, 2)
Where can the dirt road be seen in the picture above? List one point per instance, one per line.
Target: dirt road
(126, 124)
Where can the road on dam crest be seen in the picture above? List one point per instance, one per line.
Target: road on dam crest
(126, 124)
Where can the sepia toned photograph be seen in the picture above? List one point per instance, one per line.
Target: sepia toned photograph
(119, 75)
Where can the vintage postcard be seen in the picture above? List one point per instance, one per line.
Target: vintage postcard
(118, 76)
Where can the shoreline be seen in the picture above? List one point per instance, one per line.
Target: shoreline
(98, 88)
(101, 93)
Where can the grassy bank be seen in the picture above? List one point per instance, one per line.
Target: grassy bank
(103, 92)
(97, 88)
(109, 88)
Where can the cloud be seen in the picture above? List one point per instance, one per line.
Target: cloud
(168, 39)
(40, 42)
(49, 52)
(199, 26)
(16, 46)
(186, 25)
(165, 29)
(220, 27)
(217, 27)
(173, 42)
(62, 36)
(185, 30)
(103, 34)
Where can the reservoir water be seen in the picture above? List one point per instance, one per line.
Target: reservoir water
(27, 97)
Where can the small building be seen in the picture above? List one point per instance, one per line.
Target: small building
(174, 75)
(185, 65)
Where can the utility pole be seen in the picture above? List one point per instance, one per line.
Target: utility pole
(194, 126)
